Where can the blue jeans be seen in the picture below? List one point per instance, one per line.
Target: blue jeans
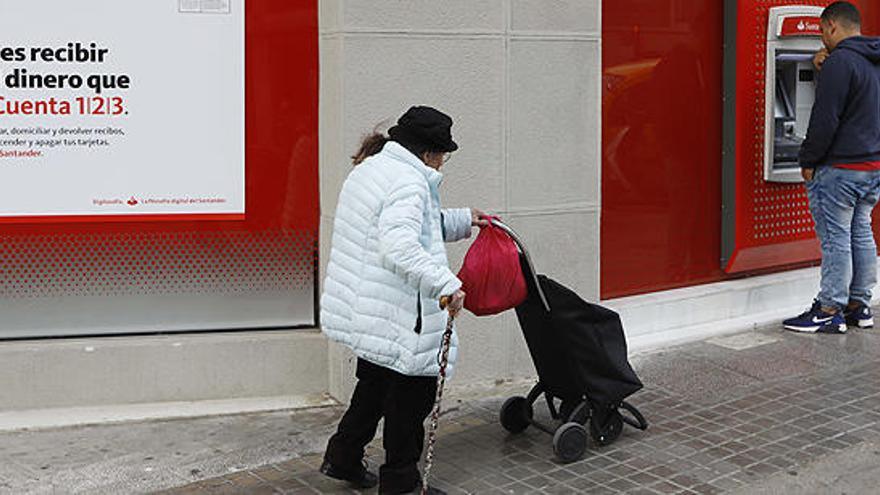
(841, 202)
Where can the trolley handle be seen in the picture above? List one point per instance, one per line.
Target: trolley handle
(522, 247)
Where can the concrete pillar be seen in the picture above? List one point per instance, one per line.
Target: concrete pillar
(522, 80)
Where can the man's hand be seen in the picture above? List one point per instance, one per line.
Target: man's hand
(453, 303)
(807, 173)
(819, 59)
(478, 218)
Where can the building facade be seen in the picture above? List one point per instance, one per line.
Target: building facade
(596, 130)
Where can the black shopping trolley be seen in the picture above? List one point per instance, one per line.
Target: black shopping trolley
(579, 351)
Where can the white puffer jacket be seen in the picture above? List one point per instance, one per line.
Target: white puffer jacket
(388, 265)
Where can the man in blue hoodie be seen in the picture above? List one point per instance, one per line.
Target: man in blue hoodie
(840, 162)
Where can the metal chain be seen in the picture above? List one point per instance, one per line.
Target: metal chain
(435, 415)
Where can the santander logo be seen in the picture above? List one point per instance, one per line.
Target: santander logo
(800, 26)
(132, 201)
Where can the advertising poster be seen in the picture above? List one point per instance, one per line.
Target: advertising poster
(117, 108)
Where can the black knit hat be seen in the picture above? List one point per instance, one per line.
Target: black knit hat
(425, 126)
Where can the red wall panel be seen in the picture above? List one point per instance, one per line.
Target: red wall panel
(661, 144)
(773, 225)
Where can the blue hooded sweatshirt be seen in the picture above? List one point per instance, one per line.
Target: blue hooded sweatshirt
(845, 123)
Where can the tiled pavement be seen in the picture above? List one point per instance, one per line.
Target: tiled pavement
(725, 414)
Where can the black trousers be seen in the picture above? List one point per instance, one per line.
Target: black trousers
(404, 402)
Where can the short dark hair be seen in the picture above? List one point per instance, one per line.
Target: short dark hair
(843, 12)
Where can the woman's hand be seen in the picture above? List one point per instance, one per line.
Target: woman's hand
(453, 303)
(478, 218)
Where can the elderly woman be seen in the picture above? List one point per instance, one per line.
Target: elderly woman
(387, 272)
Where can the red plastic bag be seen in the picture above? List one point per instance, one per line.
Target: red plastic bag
(491, 274)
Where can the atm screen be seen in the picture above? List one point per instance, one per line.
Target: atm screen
(784, 107)
(793, 103)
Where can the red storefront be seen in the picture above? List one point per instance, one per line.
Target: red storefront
(664, 173)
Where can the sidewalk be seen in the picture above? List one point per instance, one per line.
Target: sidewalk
(761, 412)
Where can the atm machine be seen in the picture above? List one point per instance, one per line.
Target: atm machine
(769, 91)
(793, 38)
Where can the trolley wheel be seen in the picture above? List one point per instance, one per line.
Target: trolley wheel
(516, 414)
(609, 432)
(570, 442)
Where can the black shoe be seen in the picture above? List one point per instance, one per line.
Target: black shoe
(359, 478)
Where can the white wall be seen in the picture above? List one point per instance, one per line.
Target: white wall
(521, 79)
(115, 378)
